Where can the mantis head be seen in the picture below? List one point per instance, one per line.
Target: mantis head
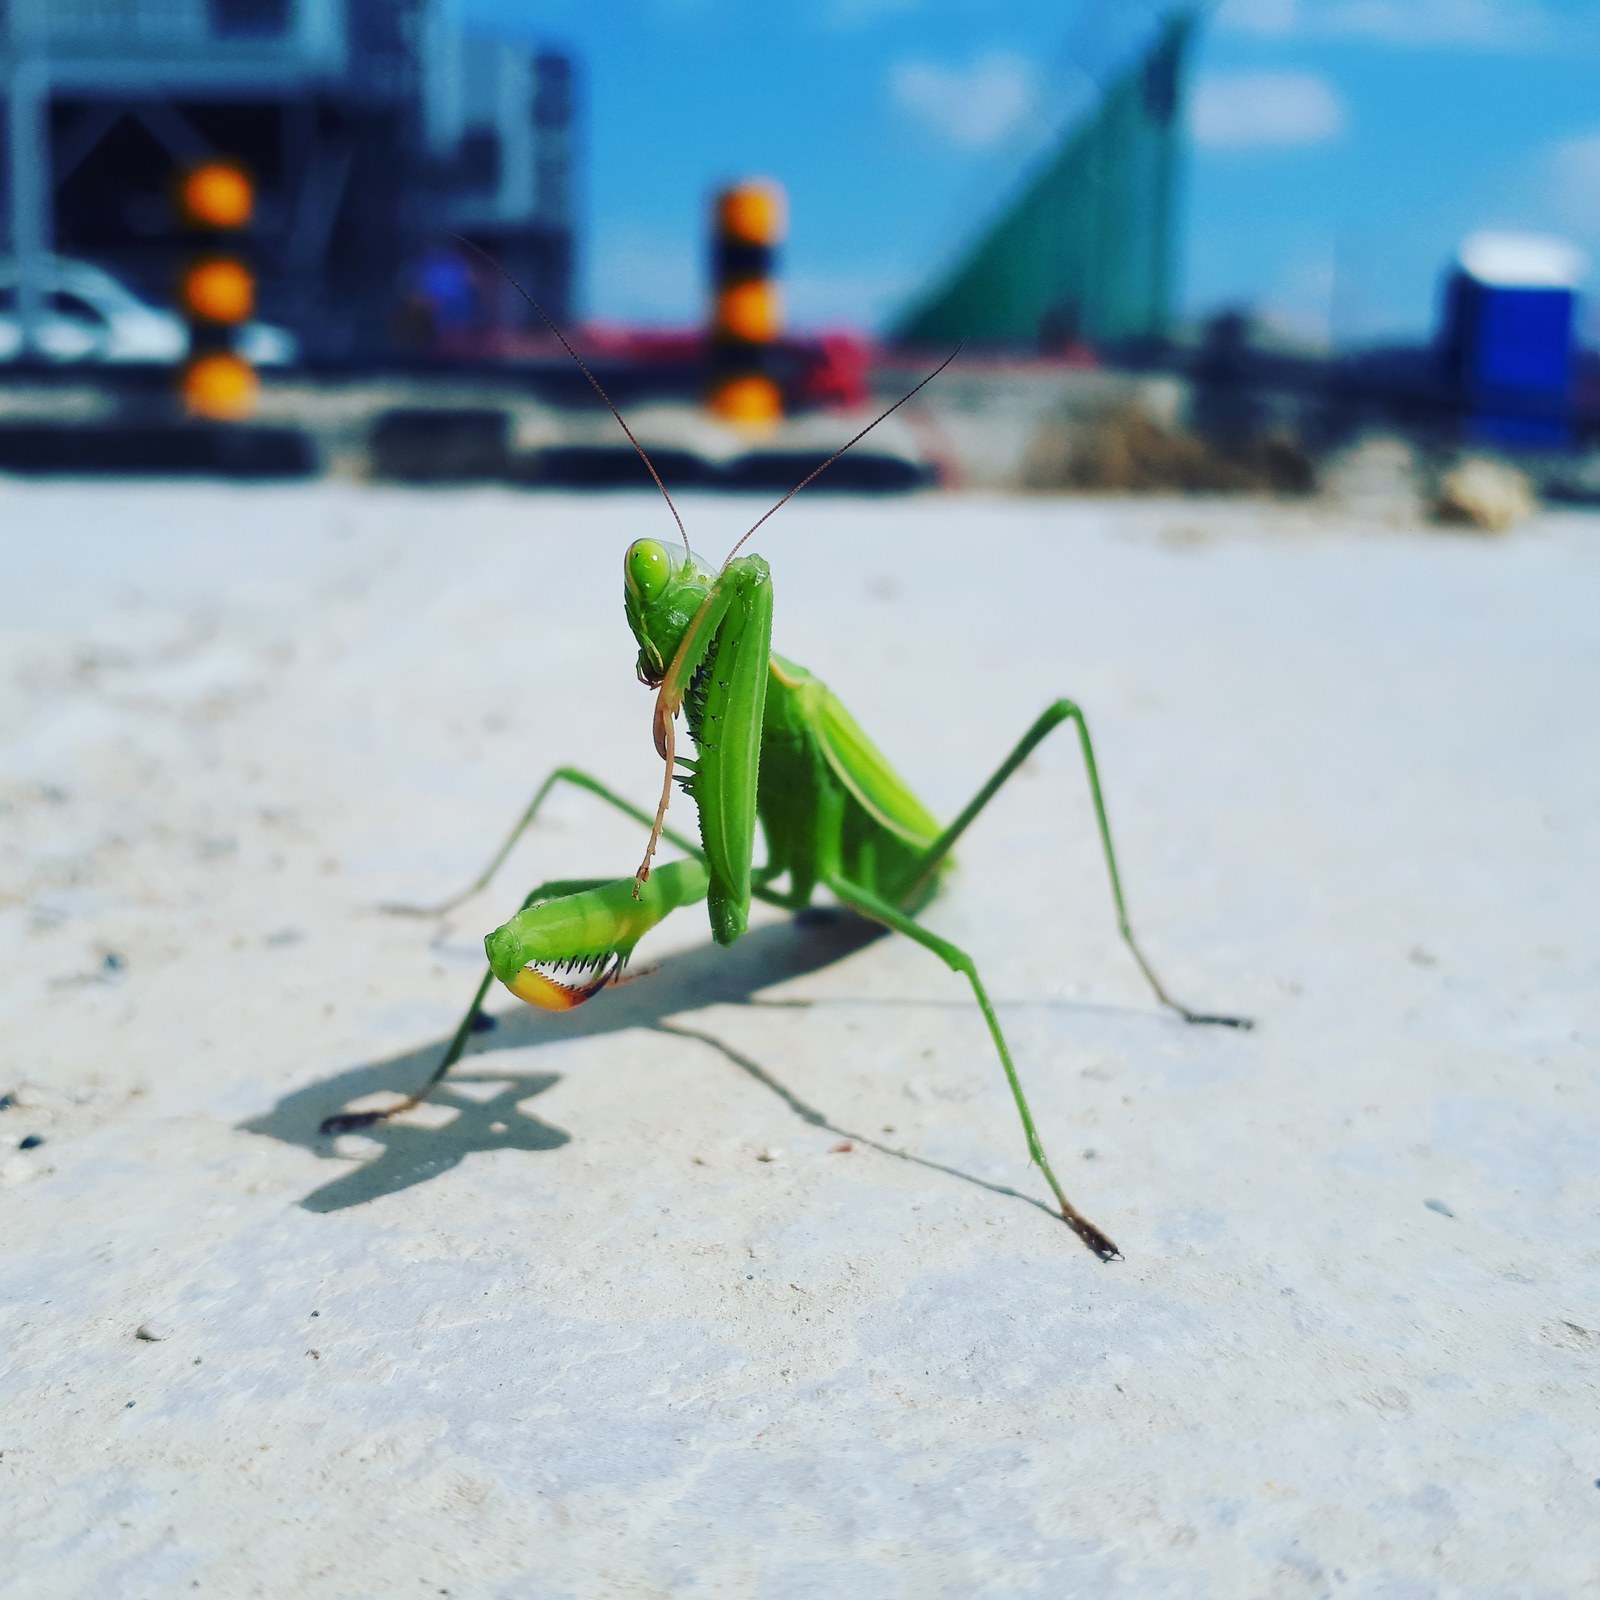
(663, 588)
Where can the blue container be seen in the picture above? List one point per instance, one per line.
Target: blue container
(1511, 315)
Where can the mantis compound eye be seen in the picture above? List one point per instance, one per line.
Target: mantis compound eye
(647, 568)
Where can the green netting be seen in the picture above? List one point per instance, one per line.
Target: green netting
(1085, 247)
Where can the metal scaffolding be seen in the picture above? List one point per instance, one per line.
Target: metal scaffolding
(359, 121)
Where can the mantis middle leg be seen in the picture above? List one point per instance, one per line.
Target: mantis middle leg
(579, 780)
(1047, 723)
(957, 960)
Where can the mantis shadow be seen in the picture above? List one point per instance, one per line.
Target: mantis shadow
(496, 1119)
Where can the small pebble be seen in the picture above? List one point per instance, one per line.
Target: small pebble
(1440, 1207)
(770, 1153)
(843, 1148)
(112, 962)
(152, 1332)
(7, 1100)
(30, 1141)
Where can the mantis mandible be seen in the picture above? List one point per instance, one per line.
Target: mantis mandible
(774, 746)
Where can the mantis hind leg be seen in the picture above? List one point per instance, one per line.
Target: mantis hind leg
(578, 780)
(1047, 723)
(354, 1121)
(957, 960)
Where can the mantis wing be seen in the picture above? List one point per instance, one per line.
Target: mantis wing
(857, 762)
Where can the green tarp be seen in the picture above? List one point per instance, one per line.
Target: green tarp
(1084, 250)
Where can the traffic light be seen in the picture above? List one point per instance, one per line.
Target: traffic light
(216, 195)
(217, 293)
(220, 386)
(218, 289)
(747, 309)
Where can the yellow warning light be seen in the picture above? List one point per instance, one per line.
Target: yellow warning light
(220, 387)
(218, 290)
(753, 213)
(751, 402)
(750, 311)
(217, 195)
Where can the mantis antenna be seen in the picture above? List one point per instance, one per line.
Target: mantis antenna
(650, 466)
(817, 472)
(595, 382)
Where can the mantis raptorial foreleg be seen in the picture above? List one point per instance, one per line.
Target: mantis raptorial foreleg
(353, 1121)
(957, 960)
(579, 780)
(1048, 721)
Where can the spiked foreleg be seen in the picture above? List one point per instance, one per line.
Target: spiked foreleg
(570, 939)
(592, 933)
(352, 1121)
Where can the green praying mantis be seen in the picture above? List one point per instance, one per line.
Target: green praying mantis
(774, 747)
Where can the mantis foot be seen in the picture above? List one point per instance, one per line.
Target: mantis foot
(350, 1122)
(355, 1121)
(1204, 1019)
(1091, 1235)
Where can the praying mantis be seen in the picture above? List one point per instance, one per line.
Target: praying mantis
(774, 748)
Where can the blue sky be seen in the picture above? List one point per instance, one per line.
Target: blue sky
(1340, 149)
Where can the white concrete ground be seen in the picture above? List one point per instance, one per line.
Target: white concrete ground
(617, 1316)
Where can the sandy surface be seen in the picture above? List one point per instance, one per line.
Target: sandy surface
(614, 1315)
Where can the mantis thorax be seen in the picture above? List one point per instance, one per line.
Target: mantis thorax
(663, 588)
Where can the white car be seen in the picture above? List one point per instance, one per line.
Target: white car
(90, 316)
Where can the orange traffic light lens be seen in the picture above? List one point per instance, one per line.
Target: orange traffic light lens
(752, 213)
(220, 387)
(750, 402)
(219, 290)
(217, 195)
(750, 311)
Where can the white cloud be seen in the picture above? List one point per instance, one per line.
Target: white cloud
(1574, 167)
(1249, 110)
(1494, 23)
(973, 107)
